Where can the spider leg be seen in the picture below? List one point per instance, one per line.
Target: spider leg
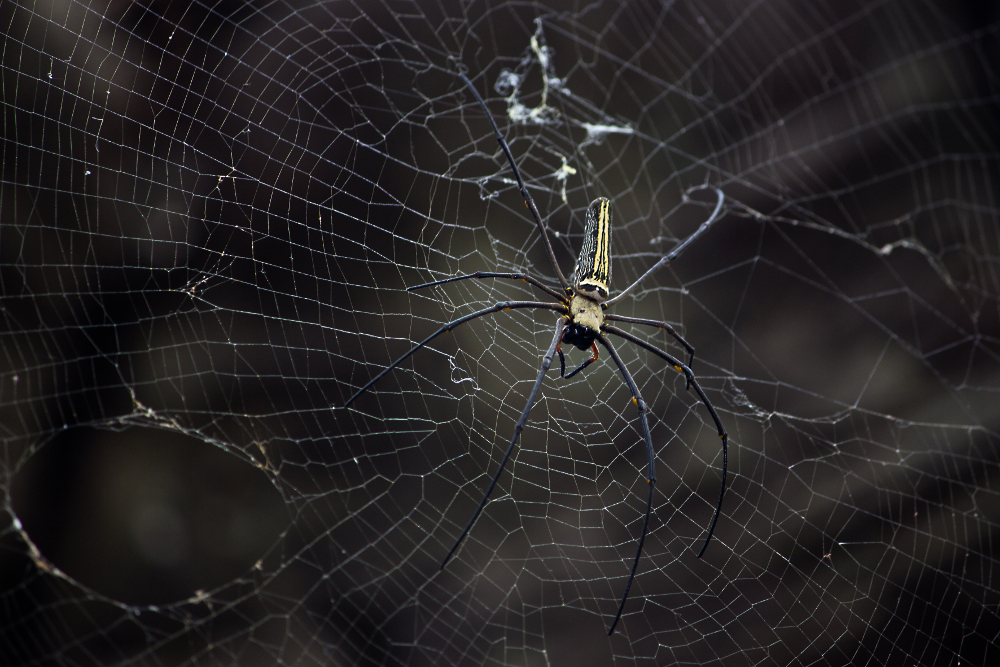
(650, 474)
(562, 360)
(681, 368)
(546, 364)
(593, 358)
(528, 201)
(479, 275)
(496, 308)
(676, 251)
(662, 325)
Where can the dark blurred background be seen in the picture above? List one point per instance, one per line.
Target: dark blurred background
(208, 218)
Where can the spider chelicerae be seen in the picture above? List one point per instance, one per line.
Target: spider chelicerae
(582, 322)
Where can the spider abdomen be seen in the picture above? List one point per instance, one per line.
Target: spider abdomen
(593, 267)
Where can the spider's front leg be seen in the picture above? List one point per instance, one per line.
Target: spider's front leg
(562, 361)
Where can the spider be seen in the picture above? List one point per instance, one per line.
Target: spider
(582, 322)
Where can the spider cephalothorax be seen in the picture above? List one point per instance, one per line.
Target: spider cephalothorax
(586, 319)
(582, 322)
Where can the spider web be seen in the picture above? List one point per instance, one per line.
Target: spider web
(211, 212)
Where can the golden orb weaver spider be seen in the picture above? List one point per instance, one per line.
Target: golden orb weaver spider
(582, 322)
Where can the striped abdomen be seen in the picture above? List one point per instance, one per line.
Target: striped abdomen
(593, 267)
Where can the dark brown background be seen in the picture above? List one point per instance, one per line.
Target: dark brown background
(209, 214)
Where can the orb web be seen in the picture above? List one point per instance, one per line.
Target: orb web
(210, 216)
